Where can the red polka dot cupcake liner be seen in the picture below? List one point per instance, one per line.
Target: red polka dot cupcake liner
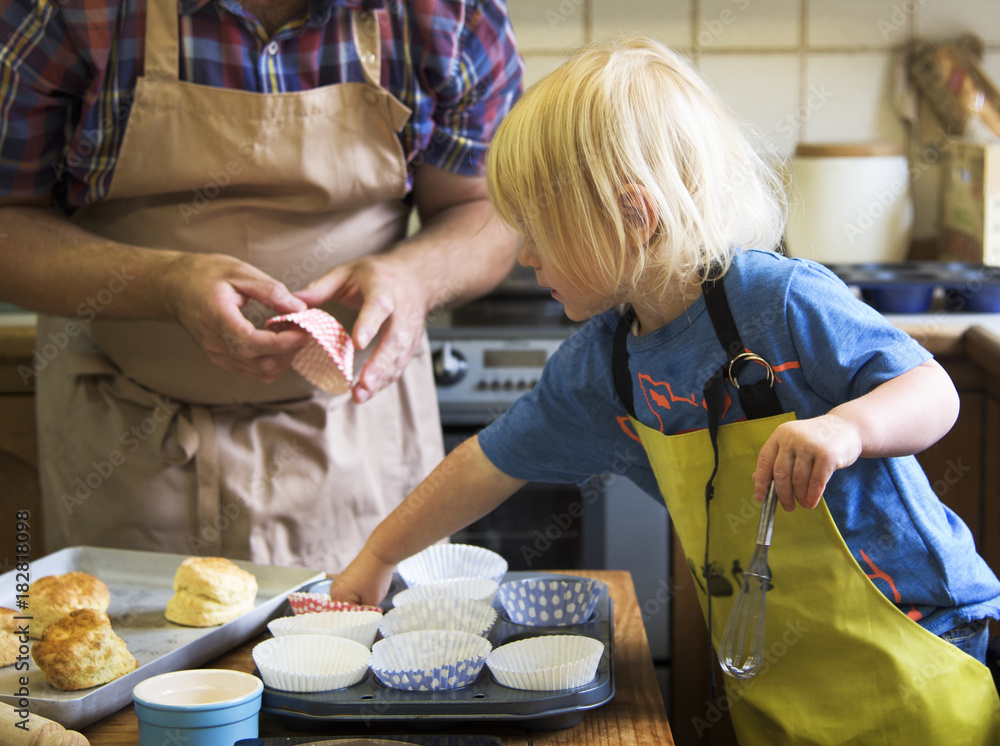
(327, 360)
(307, 603)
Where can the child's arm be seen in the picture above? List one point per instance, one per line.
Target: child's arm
(903, 416)
(463, 488)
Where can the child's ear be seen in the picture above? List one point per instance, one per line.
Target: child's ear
(638, 211)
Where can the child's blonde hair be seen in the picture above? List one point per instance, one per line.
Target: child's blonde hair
(621, 113)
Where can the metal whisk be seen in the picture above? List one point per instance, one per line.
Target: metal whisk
(742, 649)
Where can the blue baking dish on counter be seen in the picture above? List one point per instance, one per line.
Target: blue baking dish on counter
(483, 701)
(975, 298)
(909, 287)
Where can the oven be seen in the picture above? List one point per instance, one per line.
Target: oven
(488, 353)
(480, 371)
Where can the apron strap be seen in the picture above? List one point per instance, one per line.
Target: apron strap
(757, 399)
(188, 436)
(162, 44)
(366, 32)
(368, 44)
(619, 361)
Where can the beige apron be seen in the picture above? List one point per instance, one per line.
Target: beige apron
(144, 443)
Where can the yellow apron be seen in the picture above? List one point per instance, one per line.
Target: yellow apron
(842, 664)
(145, 443)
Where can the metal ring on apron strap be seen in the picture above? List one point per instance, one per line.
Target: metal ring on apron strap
(745, 357)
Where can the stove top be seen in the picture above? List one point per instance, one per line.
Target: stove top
(491, 351)
(511, 310)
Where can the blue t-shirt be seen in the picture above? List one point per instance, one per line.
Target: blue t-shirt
(826, 347)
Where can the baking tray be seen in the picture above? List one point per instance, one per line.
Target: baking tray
(140, 583)
(485, 700)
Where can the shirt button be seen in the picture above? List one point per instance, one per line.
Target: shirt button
(272, 48)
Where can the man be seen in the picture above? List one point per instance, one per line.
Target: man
(175, 173)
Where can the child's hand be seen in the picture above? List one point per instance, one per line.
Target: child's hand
(365, 581)
(801, 456)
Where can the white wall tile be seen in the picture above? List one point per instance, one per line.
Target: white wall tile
(770, 108)
(547, 25)
(848, 98)
(670, 22)
(740, 24)
(943, 20)
(857, 23)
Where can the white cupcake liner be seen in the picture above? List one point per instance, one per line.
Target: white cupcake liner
(444, 561)
(550, 602)
(458, 614)
(478, 589)
(311, 663)
(429, 660)
(311, 603)
(360, 626)
(547, 662)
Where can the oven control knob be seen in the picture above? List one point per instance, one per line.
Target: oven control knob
(450, 365)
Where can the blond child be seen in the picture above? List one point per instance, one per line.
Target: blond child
(711, 367)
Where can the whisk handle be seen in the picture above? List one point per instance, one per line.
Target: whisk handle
(766, 524)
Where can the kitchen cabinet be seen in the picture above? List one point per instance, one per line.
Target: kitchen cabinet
(963, 468)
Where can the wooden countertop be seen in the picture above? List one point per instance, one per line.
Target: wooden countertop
(635, 716)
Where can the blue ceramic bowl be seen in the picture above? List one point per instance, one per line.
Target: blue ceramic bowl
(202, 707)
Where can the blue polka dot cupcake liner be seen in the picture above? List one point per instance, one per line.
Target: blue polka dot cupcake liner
(444, 561)
(429, 660)
(550, 603)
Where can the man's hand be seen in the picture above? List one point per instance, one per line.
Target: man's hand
(205, 293)
(460, 252)
(392, 301)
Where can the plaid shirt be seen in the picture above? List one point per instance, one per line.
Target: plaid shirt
(68, 71)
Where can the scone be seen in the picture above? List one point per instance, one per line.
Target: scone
(54, 596)
(209, 591)
(80, 650)
(9, 642)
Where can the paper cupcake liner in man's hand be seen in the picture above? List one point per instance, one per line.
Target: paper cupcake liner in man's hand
(327, 360)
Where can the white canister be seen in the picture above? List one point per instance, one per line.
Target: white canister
(850, 203)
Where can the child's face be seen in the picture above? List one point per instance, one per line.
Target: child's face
(578, 303)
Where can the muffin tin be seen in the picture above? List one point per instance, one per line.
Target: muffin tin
(485, 700)
(909, 287)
